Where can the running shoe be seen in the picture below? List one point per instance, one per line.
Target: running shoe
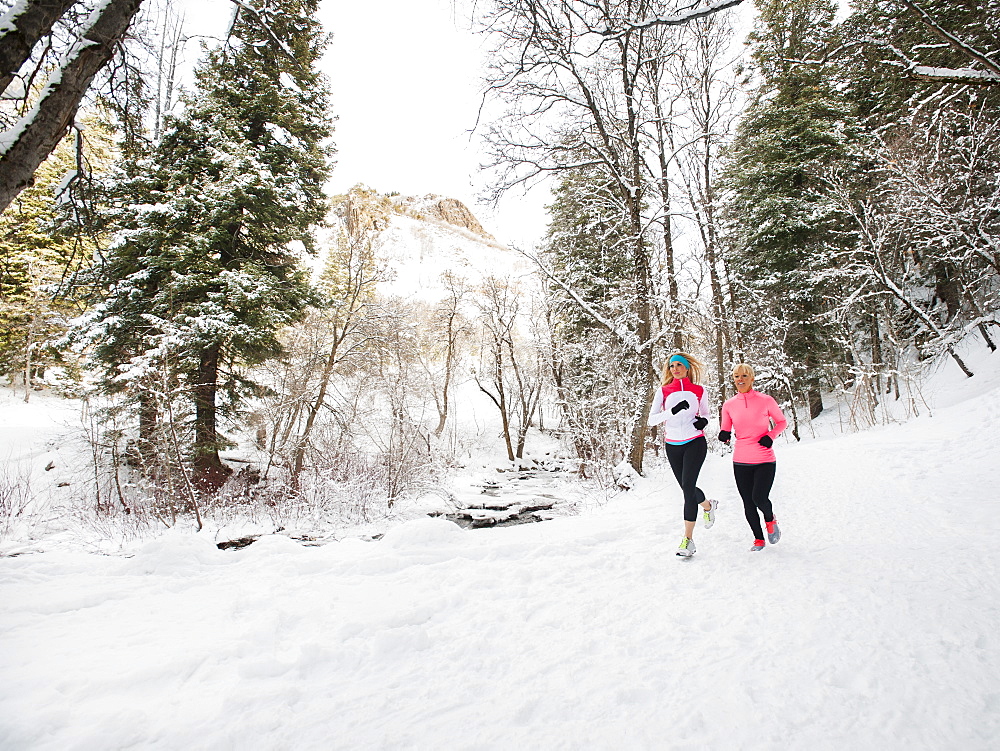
(708, 517)
(757, 545)
(773, 533)
(686, 548)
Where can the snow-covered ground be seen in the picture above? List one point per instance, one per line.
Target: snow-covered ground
(872, 624)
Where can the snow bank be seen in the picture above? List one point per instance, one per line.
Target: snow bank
(872, 624)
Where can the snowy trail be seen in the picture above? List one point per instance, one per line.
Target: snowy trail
(872, 624)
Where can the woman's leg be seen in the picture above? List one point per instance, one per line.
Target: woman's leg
(744, 474)
(763, 479)
(685, 461)
(694, 457)
(675, 455)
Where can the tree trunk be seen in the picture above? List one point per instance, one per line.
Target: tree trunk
(147, 428)
(664, 141)
(960, 362)
(646, 375)
(877, 361)
(23, 26)
(505, 420)
(633, 195)
(28, 346)
(528, 407)
(722, 338)
(815, 402)
(314, 408)
(986, 337)
(37, 134)
(814, 396)
(795, 415)
(449, 364)
(210, 473)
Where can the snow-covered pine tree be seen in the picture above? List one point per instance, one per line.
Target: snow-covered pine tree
(781, 228)
(586, 246)
(203, 271)
(34, 259)
(930, 215)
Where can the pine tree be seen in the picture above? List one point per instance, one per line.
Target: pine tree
(36, 258)
(203, 272)
(781, 226)
(881, 39)
(586, 246)
(933, 157)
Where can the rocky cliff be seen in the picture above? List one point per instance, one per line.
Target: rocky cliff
(364, 209)
(443, 209)
(419, 240)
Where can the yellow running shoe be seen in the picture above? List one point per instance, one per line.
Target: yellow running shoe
(708, 517)
(686, 548)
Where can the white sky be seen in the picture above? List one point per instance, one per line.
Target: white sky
(406, 83)
(406, 87)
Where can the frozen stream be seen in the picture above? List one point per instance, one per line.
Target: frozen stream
(516, 497)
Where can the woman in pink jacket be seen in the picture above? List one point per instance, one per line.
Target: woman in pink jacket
(680, 405)
(756, 420)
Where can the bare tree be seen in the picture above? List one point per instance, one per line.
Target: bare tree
(449, 317)
(575, 104)
(706, 78)
(349, 283)
(512, 378)
(663, 123)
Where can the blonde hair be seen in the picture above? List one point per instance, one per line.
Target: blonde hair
(694, 372)
(741, 368)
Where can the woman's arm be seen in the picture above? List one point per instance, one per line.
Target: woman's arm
(656, 413)
(727, 419)
(775, 413)
(703, 405)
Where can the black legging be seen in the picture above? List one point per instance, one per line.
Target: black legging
(754, 483)
(686, 460)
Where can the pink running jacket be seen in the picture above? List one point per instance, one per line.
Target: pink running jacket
(749, 416)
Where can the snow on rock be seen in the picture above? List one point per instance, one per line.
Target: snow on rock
(420, 533)
(176, 552)
(448, 210)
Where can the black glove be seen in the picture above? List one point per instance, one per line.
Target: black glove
(700, 423)
(725, 435)
(679, 406)
(765, 441)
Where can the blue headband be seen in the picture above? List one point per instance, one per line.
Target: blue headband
(681, 359)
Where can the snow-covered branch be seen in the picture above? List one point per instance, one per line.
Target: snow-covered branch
(21, 27)
(679, 19)
(265, 26)
(30, 141)
(627, 338)
(954, 41)
(913, 68)
(954, 75)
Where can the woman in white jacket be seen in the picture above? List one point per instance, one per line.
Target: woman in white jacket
(680, 405)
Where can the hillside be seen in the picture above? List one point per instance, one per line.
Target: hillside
(418, 239)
